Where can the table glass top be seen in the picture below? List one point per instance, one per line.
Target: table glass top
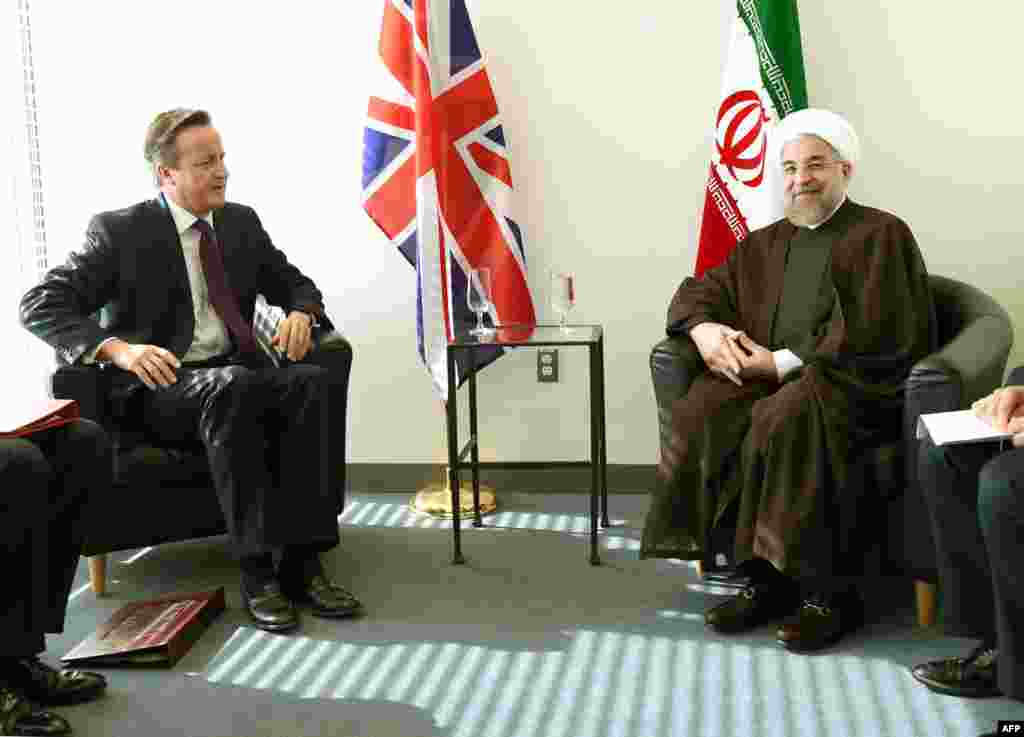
(533, 335)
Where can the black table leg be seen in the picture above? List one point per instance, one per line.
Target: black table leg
(603, 427)
(453, 457)
(595, 453)
(475, 447)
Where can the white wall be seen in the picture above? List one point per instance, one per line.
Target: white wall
(608, 110)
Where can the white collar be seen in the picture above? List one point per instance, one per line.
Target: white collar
(183, 219)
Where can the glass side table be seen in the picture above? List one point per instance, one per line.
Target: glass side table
(538, 336)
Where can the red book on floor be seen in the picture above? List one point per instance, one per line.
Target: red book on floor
(20, 417)
(153, 632)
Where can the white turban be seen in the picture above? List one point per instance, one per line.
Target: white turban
(824, 124)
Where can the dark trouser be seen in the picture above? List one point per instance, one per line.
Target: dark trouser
(275, 439)
(975, 496)
(45, 481)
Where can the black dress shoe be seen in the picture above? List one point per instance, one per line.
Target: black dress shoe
(728, 576)
(326, 599)
(269, 609)
(973, 676)
(48, 686)
(822, 620)
(756, 604)
(17, 717)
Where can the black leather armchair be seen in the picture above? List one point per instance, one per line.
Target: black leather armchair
(159, 494)
(975, 335)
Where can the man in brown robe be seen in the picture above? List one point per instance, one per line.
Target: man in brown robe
(808, 331)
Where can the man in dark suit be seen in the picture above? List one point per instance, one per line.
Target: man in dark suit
(975, 497)
(177, 277)
(47, 479)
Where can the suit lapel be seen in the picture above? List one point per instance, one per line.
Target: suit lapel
(227, 238)
(167, 247)
(238, 270)
(169, 263)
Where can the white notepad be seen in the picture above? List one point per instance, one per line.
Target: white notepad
(960, 426)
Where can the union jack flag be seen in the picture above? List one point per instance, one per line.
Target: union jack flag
(436, 176)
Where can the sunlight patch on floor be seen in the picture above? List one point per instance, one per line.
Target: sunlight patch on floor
(624, 683)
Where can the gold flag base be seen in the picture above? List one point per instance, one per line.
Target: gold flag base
(436, 500)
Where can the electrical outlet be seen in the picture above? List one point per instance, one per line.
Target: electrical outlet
(547, 365)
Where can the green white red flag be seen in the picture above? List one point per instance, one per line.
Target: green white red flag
(763, 83)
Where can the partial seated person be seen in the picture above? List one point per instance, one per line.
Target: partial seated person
(975, 497)
(807, 332)
(46, 478)
(183, 271)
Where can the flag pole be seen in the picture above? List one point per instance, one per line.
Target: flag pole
(436, 180)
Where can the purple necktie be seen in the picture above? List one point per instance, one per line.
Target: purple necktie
(221, 296)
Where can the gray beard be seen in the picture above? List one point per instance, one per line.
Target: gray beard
(803, 213)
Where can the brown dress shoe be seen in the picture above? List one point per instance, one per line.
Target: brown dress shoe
(17, 717)
(821, 621)
(754, 605)
(973, 676)
(48, 686)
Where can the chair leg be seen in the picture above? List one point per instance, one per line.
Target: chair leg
(924, 594)
(699, 564)
(98, 573)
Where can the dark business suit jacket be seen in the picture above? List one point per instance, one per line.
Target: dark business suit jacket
(133, 268)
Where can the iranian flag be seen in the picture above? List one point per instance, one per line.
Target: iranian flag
(763, 83)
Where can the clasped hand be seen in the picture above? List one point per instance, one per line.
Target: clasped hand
(733, 354)
(1003, 409)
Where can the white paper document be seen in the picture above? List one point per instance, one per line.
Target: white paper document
(960, 426)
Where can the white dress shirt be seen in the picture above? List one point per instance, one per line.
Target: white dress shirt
(211, 337)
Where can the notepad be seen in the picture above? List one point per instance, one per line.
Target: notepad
(959, 426)
(20, 416)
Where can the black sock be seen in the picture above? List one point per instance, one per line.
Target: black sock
(300, 564)
(760, 571)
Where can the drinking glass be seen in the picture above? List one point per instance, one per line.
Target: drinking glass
(478, 298)
(563, 295)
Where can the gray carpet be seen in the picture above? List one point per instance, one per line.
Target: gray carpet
(526, 640)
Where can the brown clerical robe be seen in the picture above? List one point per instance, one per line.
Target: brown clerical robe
(781, 452)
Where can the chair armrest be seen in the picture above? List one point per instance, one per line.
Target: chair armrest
(331, 340)
(675, 363)
(265, 321)
(87, 384)
(965, 369)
